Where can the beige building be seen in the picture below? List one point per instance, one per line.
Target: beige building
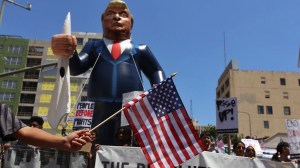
(265, 99)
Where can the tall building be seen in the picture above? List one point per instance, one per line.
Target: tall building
(29, 93)
(265, 99)
(13, 55)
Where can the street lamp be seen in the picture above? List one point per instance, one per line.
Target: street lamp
(249, 121)
(28, 7)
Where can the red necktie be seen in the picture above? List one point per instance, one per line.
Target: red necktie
(116, 50)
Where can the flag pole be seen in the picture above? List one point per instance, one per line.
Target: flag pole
(119, 111)
(97, 126)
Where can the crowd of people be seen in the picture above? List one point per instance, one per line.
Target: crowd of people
(240, 149)
(12, 129)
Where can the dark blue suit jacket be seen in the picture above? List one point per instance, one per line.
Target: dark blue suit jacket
(111, 78)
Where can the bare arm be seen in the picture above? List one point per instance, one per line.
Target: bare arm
(40, 138)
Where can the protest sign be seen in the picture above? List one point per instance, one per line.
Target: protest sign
(293, 132)
(254, 143)
(227, 115)
(126, 98)
(83, 115)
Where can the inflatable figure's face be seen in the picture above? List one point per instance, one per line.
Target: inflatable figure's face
(117, 23)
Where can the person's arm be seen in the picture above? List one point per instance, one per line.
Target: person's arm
(38, 137)
(150, 66)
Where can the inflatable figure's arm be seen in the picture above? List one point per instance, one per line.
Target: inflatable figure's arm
(150, 66)
(63, 44)
(81, 62)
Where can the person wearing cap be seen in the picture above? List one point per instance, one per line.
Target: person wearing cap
(117, 62)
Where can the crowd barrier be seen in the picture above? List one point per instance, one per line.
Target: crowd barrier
(27, 157)
(132, 157)
(123, 157)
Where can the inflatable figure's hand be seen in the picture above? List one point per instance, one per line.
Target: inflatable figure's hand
(63, 45)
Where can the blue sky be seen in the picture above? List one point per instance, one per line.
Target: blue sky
(185, 36)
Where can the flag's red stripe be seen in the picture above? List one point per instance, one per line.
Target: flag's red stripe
(155, 130)
(184, 132)
(192, 128)
(135, 132)
(148, 136)
(176, 136)
(127, 105)
(133, 101)
(170, 144)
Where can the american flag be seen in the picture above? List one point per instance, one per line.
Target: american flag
(162, 126)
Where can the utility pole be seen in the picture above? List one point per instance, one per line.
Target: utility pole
(28, 7)
(224, 48)
(191, 109)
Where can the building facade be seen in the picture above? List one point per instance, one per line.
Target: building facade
(265, 99)
(29, 93)
(13, 56)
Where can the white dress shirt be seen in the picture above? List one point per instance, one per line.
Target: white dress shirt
(124, 44)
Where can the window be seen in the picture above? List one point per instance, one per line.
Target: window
(299, 82)
(25, 111)
(282, 82)
(84, 98)
(260, 109)
(218, 94)
(269, 109)
(285, 95)
(27, 98)
(8, 84)
(227, 83)
(93, 39)
(1, 46)
(29, 86)
(32, 74)
(227, 94)
(35, 50)
(266, 124)
(7, 96)
(13, 61)
(267, 94)
(79, 41)
(10, 70)
(85, 88)
(222, 89)
(287, 110)
(15, 49)
(33, 62)
(263, 80)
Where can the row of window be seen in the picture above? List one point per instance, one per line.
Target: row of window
(32, 50)
(80, 40)
(9, 84)
(7, 96)
(13, 60)
(269, 110)
(285, 95)
(10, 70)
(17, 61)
(281, 80)
(35, 51)
(15, 49)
